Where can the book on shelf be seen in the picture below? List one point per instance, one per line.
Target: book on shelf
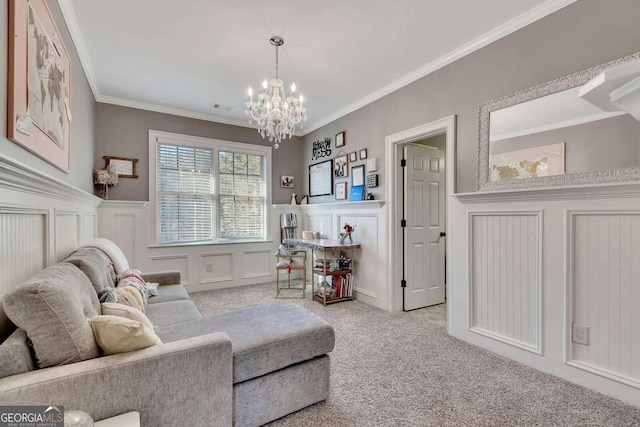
(341, 287)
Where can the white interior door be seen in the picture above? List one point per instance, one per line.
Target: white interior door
(424, 247)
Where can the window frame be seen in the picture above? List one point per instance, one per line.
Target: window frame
(216, 145)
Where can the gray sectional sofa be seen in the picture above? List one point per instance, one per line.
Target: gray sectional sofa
(246, 367)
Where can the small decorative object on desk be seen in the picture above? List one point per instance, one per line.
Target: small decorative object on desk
(103, 179)
(347, 234)
(293, 199)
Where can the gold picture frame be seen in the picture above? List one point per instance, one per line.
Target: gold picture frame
(124, 167)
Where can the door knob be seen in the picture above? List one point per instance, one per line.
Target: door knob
(443, 234)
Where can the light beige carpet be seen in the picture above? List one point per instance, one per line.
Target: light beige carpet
(404, 369)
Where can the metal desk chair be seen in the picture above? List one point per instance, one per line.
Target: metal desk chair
(289, 262)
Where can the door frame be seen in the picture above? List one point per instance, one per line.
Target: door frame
(393, 192)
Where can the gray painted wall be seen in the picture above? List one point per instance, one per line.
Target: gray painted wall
(124, 132)
(577, 37)
(82, 109)
(605, 144)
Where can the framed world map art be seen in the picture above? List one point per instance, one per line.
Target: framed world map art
(39, 89)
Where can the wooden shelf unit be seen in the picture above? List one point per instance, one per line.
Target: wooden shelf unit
(324, 246)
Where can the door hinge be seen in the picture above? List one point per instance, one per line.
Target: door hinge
(403, 283)
(403, 163)
(403, 223)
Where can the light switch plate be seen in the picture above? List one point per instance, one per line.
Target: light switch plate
(372, 165)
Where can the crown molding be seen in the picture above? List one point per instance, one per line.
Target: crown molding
(17, 176)
(497, 33)
(174, 111)
(70, 18)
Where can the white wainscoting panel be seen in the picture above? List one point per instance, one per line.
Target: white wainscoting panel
(366, 234)
(123, 231)
(89, 226)
(319, 222)
(23, 250)
(505, 286)
(371, 260)
(67, 232)
(171, 262)
(42, 219)
(257, 263)
(604, 290)
(216, 267)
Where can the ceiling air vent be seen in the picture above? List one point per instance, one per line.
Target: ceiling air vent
(220, 107)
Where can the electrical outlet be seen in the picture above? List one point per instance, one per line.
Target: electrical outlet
(209, 268)
(580, 334)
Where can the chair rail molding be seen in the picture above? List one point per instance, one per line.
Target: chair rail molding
(21, 178)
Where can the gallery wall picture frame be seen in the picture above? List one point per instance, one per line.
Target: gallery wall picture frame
(39, 67)
(363, 154)
(357, 175)
(287, 181)
(341, 139)
(124, 167)
(341, 191)
(353, 156)
(340, 167)
(321, 179)
(357, 193)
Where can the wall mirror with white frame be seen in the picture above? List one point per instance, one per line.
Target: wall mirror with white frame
(581, 129)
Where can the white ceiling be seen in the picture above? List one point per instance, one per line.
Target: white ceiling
(182, 56)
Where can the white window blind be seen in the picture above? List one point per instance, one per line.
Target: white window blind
(241, 202)
(209, 191)
(185, 193)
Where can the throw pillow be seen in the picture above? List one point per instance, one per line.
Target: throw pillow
(115, 309)
(115, 334)
(52, 308)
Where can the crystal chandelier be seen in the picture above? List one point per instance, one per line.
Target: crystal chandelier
(275, 113)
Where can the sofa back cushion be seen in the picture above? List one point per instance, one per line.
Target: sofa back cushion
(52, 307)
(95, 265)
(112, 250)
(15, 355)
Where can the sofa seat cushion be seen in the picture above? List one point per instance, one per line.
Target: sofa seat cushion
(169, 293)
(168, 313)
(52, 308)
(15, 355)
(264, 338)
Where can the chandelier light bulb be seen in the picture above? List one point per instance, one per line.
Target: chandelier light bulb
(293, 87)
(301, 99)
(265, 84)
